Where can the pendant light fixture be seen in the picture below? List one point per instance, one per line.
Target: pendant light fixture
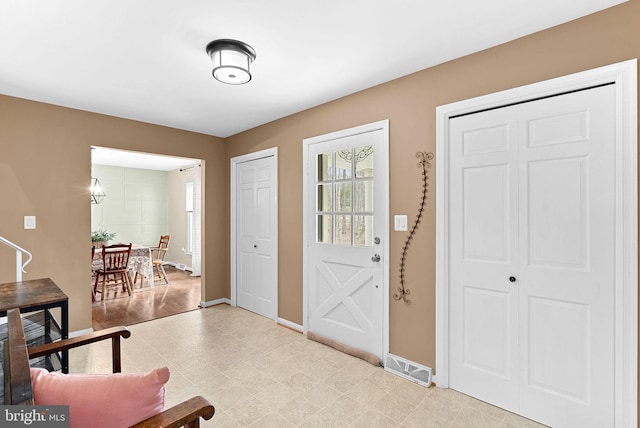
(231, 60)
(97, 192)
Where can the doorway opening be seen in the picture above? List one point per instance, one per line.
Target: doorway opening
(146, 196)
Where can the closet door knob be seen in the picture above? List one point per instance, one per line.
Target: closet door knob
(512, 278)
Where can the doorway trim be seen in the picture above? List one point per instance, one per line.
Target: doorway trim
(369, 127)
(272, 152)
(624, 75)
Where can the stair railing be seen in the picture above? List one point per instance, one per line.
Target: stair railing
(19, 251)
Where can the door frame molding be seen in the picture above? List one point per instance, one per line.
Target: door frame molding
(380, 125)
(235, 161)
(624, 75)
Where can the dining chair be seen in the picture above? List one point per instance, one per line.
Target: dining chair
(93, 273)
(157, 257)
(114, 269)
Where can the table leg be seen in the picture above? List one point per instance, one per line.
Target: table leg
(47, 323)
(64, 309)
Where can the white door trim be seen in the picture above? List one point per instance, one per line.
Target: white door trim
(380, 125)
(624, 75)
(234, 165)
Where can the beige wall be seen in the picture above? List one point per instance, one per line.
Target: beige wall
(45, 170)
(409, 103)
(38, 141)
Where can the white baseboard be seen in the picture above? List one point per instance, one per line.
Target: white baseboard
(291, 325)
(80, 332)
(215, 302)
(434, 379)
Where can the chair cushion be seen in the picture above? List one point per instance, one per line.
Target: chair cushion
(102, 400)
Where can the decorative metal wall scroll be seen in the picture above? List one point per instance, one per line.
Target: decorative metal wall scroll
(424, 163)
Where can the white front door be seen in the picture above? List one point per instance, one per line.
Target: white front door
(256, 262)
(346, 222)
(532, 228)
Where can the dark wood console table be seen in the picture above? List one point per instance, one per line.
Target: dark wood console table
(38, 295)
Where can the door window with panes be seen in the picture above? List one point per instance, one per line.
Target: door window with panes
(344, 195)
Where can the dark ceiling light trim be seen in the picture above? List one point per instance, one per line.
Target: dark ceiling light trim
(231, 60)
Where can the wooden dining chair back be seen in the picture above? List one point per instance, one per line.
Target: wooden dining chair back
(114, 269)
(157, 256)
(93, 272)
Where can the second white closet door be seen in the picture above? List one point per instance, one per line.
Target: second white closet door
(532, 257)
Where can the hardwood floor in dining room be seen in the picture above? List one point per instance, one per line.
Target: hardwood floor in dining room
(182, 294)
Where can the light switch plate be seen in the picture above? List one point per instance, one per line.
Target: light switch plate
(29, 222)
(400, 223)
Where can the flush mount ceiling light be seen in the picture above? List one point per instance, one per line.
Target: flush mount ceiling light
(231, 60)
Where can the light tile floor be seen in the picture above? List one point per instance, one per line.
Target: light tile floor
(259, 374)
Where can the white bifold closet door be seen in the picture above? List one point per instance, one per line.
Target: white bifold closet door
(532, 257)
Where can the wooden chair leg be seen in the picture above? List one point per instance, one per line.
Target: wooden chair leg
(128, 281)
(95, 288)
(104, 283)
(164, 274)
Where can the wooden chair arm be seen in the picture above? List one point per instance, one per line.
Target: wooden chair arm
(113, 333)
(187, 413)
(158, 253)
(15, 365)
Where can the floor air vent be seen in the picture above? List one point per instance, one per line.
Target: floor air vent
(408, 370)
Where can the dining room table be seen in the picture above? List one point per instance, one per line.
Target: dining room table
(140, 262)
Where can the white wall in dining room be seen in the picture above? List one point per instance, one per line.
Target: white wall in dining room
(176, 181)
(136, 205)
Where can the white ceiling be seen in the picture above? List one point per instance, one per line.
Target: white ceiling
(146, 60)
(128, 159)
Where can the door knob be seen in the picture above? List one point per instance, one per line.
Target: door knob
(255, 246)
(512, 278)
(375, 258)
